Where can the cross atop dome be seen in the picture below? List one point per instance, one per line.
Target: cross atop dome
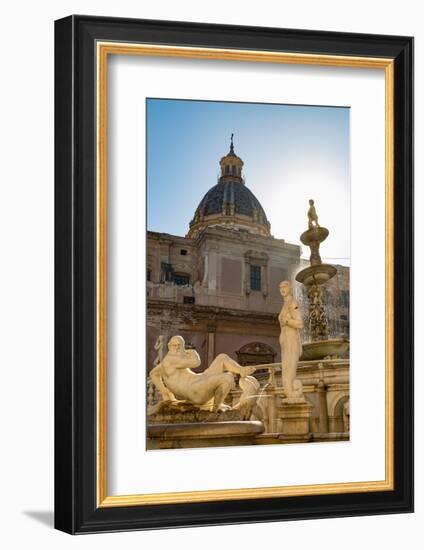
(232, 145)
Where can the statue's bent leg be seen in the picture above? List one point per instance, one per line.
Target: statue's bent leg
(222, 363)
(225, 383)
(208, 384)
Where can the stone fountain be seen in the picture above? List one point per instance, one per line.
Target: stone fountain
(314, 278)
(198, 410)
(191, 411)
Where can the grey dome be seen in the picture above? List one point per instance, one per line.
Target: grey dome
(231, 193)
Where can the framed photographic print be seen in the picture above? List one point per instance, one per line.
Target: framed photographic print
(234, 274)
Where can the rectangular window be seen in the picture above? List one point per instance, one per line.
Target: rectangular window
(255, 277)
(167, 273)
(180, 279)
(345, 298)
(188, 300)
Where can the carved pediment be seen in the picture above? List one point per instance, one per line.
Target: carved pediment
(256, 353)
(259, 258)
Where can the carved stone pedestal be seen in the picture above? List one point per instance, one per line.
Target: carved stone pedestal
(293, 420)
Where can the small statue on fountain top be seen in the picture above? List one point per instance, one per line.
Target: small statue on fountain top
(312, 215)
(314, 235)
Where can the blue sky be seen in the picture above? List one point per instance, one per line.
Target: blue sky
(291, 154)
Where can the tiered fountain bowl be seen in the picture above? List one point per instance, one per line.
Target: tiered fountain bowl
(318, 274)
(333, 348)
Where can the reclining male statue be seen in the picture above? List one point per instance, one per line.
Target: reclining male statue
(176, 381)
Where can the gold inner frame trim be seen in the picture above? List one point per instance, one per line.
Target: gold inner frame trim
(104, 49)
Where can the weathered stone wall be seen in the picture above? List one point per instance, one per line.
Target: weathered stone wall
(217, 267)
(209, 330)
(230, 343)
(217, 311)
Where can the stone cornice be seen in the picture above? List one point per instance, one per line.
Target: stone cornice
(232, 235)
(170, 239)
(228, 235)
(211, 312)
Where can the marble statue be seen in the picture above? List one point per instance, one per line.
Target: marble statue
(312, 215)
(346, 416)
(151, 388)
(159, 345)
(175, 380)
(291, 323)
(247, 404)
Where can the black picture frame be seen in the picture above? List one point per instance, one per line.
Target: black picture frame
(76, 509)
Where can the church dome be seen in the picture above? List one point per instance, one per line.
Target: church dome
(230, 203)
(233, 196)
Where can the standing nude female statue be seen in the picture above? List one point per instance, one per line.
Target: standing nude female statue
(291, 323)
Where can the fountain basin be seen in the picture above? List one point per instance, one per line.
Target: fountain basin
(316, 274)
(314, 235)
(205, 434)
(332, 348)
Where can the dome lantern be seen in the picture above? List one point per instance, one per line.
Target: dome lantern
(231, 165)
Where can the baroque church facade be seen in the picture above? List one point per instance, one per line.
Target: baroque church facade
(218, 286)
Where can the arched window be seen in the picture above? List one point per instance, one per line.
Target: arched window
(256, 353)
(341, 415)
